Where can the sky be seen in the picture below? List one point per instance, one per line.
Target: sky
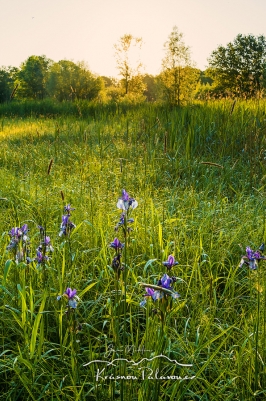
(86, 30)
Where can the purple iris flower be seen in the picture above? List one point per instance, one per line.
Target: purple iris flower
(116, 262)
(170, 262)
(251, 258)
(165, 282)
(65, 219)
(14, 232)
(125, 202)
(116, 244)
(122, 219)
(47, 241)
(71, 297)
(125, 196)
(70, 293)
(47, 244)
(66, 225)
(150, 292)
(18, 234)
(24, 229)
(68, 209)
(41, 258)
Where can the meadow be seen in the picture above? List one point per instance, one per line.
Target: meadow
(198, 174)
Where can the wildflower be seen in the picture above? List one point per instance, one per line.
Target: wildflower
(116, 244)
(24, 229)
(150, 292)
(170, 262)
(46, 244)
(19, 242)
(14, 232)
(66, 225)
(252, 258)
(125, 202)
(68, 209)
(165, 282)
(19, 233)
(40, 258)
(161, 290)
(122, 222)
(122, 219)
(71, 295)
(116, 262)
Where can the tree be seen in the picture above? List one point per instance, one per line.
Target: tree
(240, 67)
(69, 81)
(33, 76)
(178, 77)
(151, 90)
(7, 82)
(131, 80)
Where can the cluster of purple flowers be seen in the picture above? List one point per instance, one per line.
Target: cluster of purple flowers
(66, 225)
(44, 248)
(19, 243)
(126, 204)
(252, 258)
(117, 246)
(164, 288)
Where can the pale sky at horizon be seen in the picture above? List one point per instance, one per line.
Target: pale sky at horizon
(86, 30)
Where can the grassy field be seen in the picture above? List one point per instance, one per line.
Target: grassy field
(198, 174)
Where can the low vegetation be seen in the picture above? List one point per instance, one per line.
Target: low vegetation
(98, 204)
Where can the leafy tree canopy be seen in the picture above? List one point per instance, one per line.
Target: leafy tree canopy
(7, 82)
(131, 80)
(178, 78)
(240, 67)
(69, 81)
(33, 76)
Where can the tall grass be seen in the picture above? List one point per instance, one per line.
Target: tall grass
(198, 174)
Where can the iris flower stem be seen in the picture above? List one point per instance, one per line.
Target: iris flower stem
(16, 281)
(73, 337)
(43, 235)
(70, 257)
(257, 335)
(125, 284)
(117, 318)
(43, 264)
(264, 323)
(125, 302)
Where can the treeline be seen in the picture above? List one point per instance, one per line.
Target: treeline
(236, 70)
(40, 78)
